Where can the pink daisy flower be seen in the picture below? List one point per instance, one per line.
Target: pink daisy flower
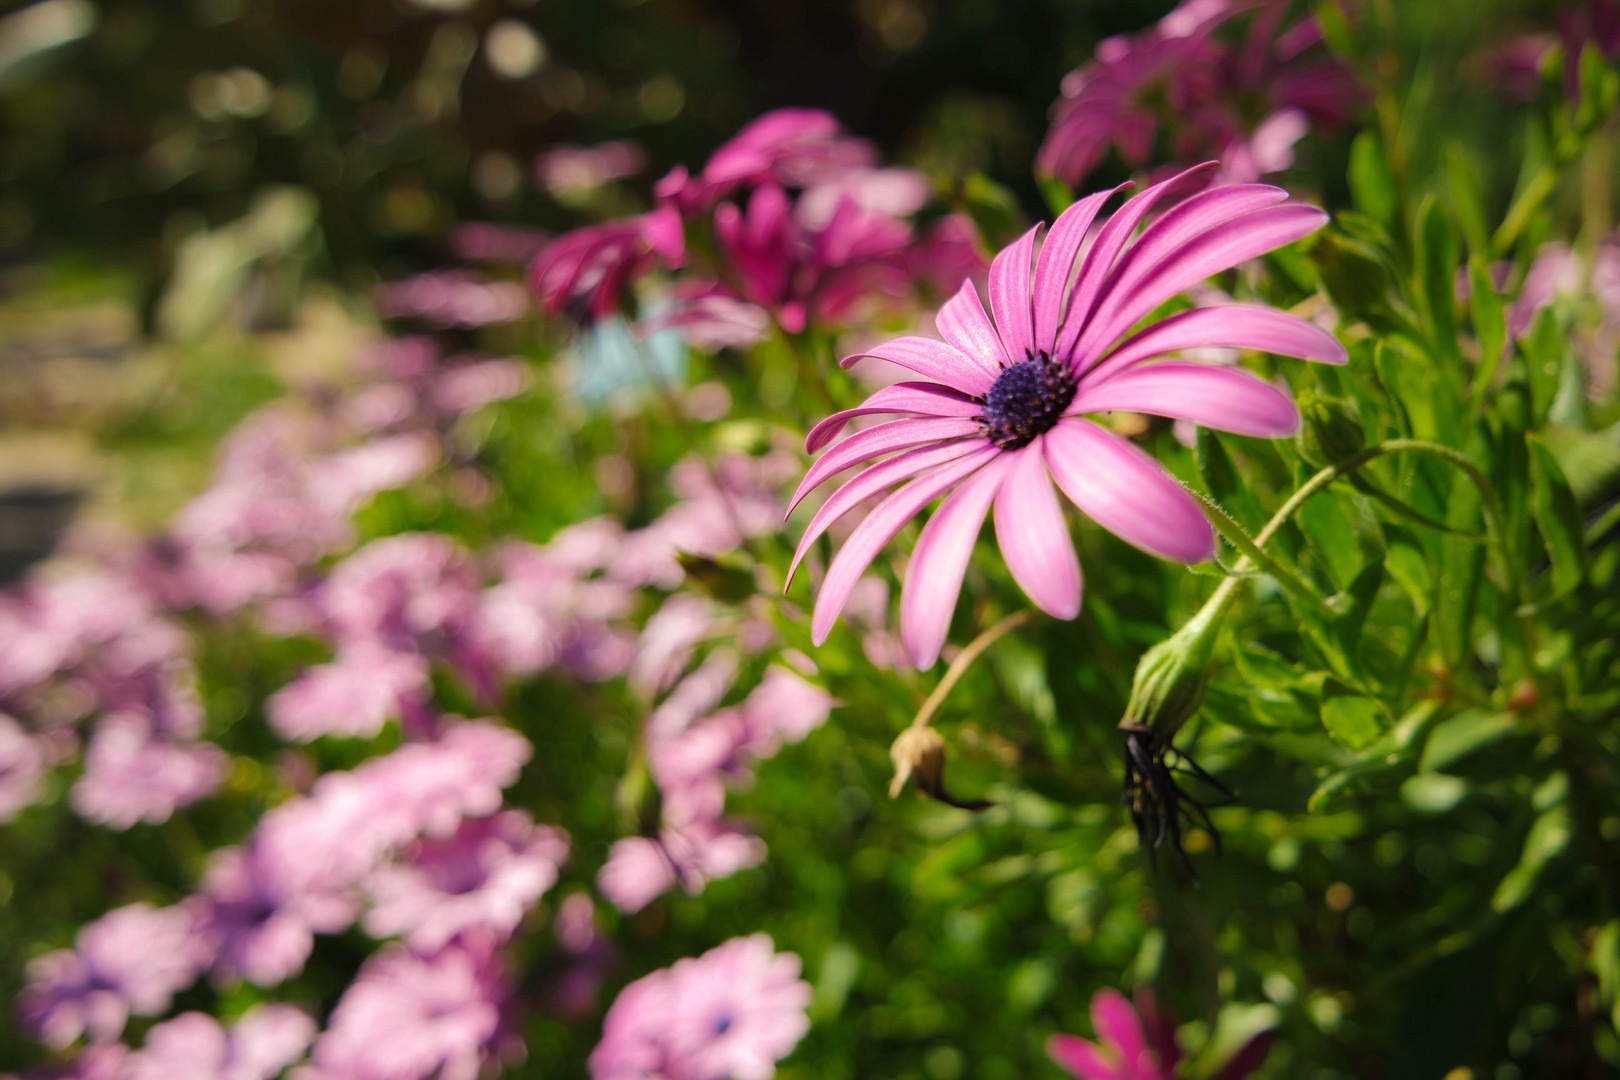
(1005, 415)
(1140, 1044)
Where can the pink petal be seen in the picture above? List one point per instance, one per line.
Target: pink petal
(1110, 241)
(1222, 398)
(1230, 326)
(1056, 263)
(1219, 249)
(935, 359)
(882, 439)
(878, 478)
(934, 576)
(963, 323)
(1086, 1060)
(1009, 296)
(1034, 537)
(1118, 1027)
(929, 399)
(878, 529)
(1122, 488)
(1176, 228)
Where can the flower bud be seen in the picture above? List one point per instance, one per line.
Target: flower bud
(1171, 677)
(1330, 429)
(919, 754)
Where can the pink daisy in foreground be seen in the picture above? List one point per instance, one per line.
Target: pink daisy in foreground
(1140, 1044)
(1006, 414)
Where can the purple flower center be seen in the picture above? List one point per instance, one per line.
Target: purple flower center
(1026, 400)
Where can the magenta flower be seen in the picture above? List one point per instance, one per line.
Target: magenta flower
(1219, 77)
(410, 1016)
(134, 772)
(194, 1046)
(485, 877)
(131, 960)
(1140, 1044)
(1006, 416)
(733, 1012)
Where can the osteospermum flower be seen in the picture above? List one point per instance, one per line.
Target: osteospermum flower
(1140, 1044)
(1007, 413)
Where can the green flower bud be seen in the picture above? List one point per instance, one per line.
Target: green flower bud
(1172, 677)
(1330, 429)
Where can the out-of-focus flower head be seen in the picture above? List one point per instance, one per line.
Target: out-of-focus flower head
(1517, 65)
(412, 1016)
(300, 873)
(807, 229)
(195, 1046)
(1140, 1044)
(131, 960)
(1219, 78)
(133, 771)
(453, 299)
(566, 172)
(730, 1014)
(484, 877)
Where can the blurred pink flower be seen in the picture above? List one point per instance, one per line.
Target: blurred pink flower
(690, 854)
(570, 170)
(1221, 77)
(488, 241)
(586, 273)
(24, 759)
(485, 876)
(790, 147)
(453, 299)
(134, 959)
(1006, 414)
(195, 1046)
(1139, 1044)
(407, 1016)
(733, 1012)
(300, 872)
(134, 772)
(352, 697)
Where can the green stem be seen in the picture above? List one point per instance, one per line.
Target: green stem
(1251, 552)
(1254, 555)
(1529, 201)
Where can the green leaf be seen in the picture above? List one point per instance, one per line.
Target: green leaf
(1605, 964)
(1058, 195)
(1549, 835)
(1544, 350)
(1372, 182)
(1558, 516)
(1352, 606)
(1462, 567)
(1433, 793)
(1490, 326)
(1354, 720)
(1456, 737)
(1409, 566)
(1437, 281)
(1467, 199)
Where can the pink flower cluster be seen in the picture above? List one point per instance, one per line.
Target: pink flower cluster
(1220, 78)
(792, 222)
(730, 1014)
(96, 643)
(419, 835)
(693, 759)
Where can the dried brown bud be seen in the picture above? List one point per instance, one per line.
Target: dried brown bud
(919, 754)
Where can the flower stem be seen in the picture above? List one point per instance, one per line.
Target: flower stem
(959, 666)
